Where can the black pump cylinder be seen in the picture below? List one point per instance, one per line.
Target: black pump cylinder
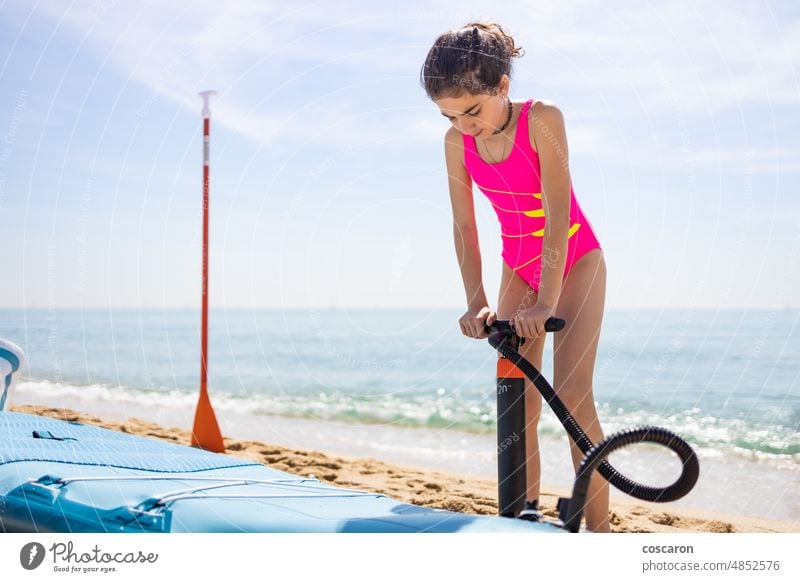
(511, 454)
(511, 367)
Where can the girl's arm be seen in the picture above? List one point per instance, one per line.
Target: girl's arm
(548, 133)
(465, 232)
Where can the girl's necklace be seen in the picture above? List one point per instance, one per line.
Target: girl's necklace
(505, 125)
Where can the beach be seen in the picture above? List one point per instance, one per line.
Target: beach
(429, 488)
(374, 402)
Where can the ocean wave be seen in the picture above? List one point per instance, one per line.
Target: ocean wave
(440, 410)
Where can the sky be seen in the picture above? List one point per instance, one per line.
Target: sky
(329, 186)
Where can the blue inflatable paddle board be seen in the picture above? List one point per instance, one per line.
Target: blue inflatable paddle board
(59, 476)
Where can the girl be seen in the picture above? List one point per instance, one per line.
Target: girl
(553, 265)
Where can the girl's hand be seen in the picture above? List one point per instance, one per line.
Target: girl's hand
(473, 320)
(530, 322)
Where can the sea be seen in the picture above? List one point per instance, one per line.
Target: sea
(405, 386)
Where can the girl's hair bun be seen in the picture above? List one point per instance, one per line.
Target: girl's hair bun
(497, 30)
(471, 59)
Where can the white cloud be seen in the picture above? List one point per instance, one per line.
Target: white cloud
(708, 55)
(702, 57)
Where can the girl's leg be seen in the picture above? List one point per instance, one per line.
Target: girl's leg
(516, 295)
(581, 304)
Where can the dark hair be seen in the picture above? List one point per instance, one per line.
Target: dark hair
(471, 59)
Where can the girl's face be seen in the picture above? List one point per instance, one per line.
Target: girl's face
(476, 115)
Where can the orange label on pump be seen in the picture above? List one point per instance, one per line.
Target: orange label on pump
(507, 369)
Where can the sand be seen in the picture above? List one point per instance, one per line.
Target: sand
(431, 488)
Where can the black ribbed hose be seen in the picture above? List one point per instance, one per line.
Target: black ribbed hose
(499, 337)
(571, 510)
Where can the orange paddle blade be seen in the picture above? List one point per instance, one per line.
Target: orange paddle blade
(205, 433)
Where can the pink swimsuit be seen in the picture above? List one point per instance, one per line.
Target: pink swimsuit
(513, 187)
